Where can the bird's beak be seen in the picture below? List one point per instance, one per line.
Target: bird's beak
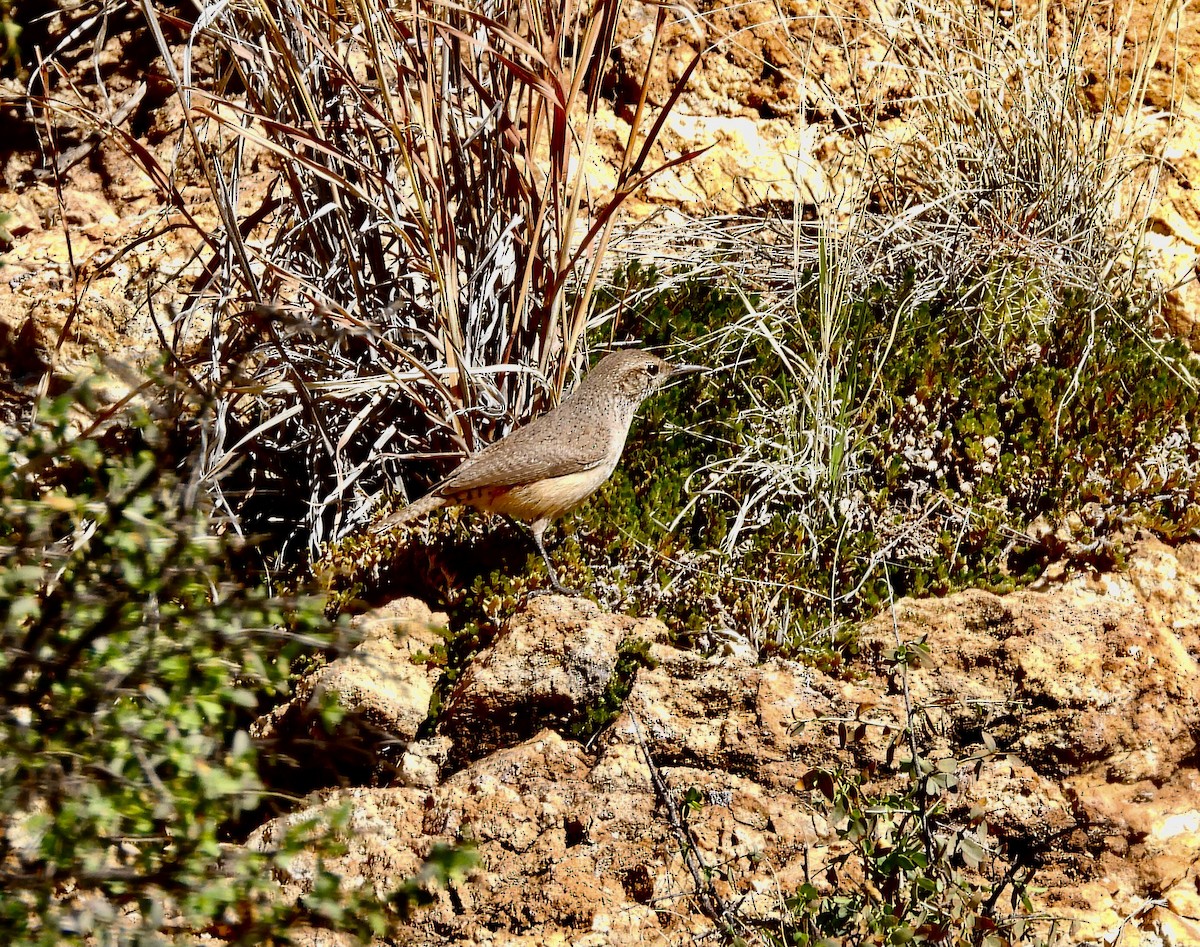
(687, 369)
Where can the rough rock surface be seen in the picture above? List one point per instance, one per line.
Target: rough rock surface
(382, 691)
(1088, 685)
(546, 667)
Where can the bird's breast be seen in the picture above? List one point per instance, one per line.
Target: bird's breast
(546, 499)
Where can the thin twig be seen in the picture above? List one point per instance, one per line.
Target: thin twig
(710, 902)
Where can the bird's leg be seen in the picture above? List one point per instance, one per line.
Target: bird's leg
(536, 530)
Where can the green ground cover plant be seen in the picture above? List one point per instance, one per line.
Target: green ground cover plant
(975, 461)
(134, 653)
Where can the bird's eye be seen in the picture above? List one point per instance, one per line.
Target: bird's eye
(653, 369)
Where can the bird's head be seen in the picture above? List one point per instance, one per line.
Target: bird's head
(636, 374)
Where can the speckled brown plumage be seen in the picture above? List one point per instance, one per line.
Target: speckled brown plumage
(548, 467)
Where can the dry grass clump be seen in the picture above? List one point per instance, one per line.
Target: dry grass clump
(1006, 184)
(416, 280)
(998, 208)
(1008, 167)
(432, 227)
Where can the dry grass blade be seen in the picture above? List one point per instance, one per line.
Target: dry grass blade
(428, 247)
(1011, 192)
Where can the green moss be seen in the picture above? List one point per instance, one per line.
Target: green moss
(634, 653)
(1028, 409)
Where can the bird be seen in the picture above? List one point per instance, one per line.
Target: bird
(543, 470)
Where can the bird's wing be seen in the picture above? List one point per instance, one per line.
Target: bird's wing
(537, 451)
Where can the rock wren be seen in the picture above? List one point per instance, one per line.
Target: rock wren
(545, 469)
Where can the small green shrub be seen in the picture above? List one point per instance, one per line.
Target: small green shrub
(634, 653)
(904, 871)
(132, 660)
(978, 459)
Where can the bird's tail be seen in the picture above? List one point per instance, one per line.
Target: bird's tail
(427, 504)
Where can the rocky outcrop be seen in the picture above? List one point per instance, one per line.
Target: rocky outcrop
(1093, 684)
(1070, 713)
(357, 717)
(555, 659)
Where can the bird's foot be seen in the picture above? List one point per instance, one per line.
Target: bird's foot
(556, 589)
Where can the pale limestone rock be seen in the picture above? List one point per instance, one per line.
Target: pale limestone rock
(422, 762)
(382, 688)
(1088, 685)
(546, 666)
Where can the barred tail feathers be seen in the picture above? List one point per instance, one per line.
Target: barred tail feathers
(427, 504)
